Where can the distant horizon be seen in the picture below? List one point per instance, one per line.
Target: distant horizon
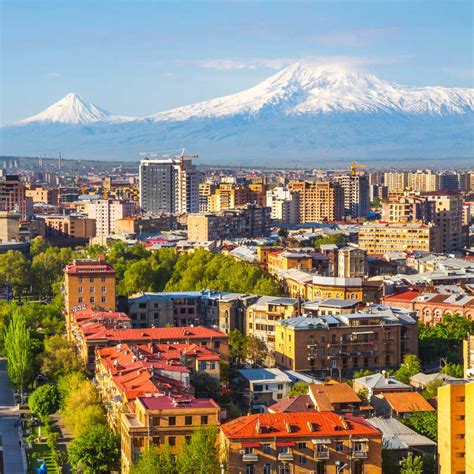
(142, 58)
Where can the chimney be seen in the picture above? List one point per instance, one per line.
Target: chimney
(385, 374)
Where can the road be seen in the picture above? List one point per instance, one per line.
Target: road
(12, 455)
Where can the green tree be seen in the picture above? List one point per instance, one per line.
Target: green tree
(255, 350)
(299, 388)
(390, 464)
(44, 400)
(454, 370)
(59, 357)
(237, 347)
(431, 389)
(95, 451)
(18, 352)
(200, 455)
(363, 373)
(423, 422)
(155, 461)
(410, 366)
(15, 271)
(412, 465)
(206, 386)
(38, 245)
(330, 239)
(69, 383)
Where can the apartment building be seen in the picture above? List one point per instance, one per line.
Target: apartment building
(90, 284)
(356, 194)
(424, 181)
(13, 195)
(468, 356)
(46, 195)
(264, 313)
(106, 212)
(301, 442)
(69, 227)
(319, 200)
(169, 184)
(163, 420)
(395, 181)
(332, 345)
(446, 208)
(431, 306)
(407, 208)
(456, 428)
(351, 262)
(285, 205)
(284, 260)
(247, 222)
(377, 238)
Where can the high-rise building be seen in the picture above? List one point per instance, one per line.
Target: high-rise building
(284, 205)
(396, 181)
(106, 212)
(446, 210)
(423, 181)
(356, 194)
(12, 195)
(319, 200)
(169, 185)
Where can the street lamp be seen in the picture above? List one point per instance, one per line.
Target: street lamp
(340, 466)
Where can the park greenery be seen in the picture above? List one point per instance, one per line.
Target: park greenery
(423, 422)
(299, 388)
(410, 366)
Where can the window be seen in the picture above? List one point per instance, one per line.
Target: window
(202, 365)
(267, 469)
(91, 280)
(104, 289)
(217, 344)
(301, 445)
(80, 279)
(80, 289)
(266, 448)
(302, 459)
(249, 469)
(187, 439)
(248, 450)
(280, 386)
(188, 420)
(172, 440)
(212, 365)
(204, 419)
(103, 299)
(142, 305)
(92, 299)
(339, 446)
(172, 421)
(81, 300)
(102, 279)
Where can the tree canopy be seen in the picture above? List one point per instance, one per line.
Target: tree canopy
(299, 388)
(44, 400)
(410, 366)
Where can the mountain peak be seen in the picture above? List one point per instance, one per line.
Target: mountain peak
(73, 109)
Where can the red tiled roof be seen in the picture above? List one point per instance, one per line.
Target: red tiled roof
(90, 269)
(407, 402)
(165, 402)
(405, 296)
(289, 425)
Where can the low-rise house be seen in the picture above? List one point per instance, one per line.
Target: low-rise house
(379, 383)
(401, 439)
(420, 381)
(400, 404)
(301, 442)
(159, 420)
(265, 386)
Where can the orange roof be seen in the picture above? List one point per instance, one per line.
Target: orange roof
(405, 296)
(407, 402)
(325, 397)
(297, 425)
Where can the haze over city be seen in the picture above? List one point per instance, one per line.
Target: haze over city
(237, 237)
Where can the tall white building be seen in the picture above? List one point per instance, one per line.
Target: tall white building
(106, 212)
(284, 205)
(169, 185)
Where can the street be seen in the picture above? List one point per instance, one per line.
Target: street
(12, 456)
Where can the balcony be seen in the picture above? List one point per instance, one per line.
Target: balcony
(285, 456)
(322, 454)
(250, 457)
(360, 454)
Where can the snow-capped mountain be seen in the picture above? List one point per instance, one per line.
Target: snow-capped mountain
(300, 114)
(302, 89)
(74, 110)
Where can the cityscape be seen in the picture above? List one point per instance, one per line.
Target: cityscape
(279, 280)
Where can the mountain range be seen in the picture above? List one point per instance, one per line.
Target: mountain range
(302, 114)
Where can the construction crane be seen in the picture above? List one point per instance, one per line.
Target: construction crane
(354, 166)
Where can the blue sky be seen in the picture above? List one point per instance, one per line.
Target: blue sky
(140, 57)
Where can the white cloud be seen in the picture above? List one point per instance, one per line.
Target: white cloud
(349, 62)
(53, 74)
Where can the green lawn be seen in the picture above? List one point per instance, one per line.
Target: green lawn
(45, 453)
